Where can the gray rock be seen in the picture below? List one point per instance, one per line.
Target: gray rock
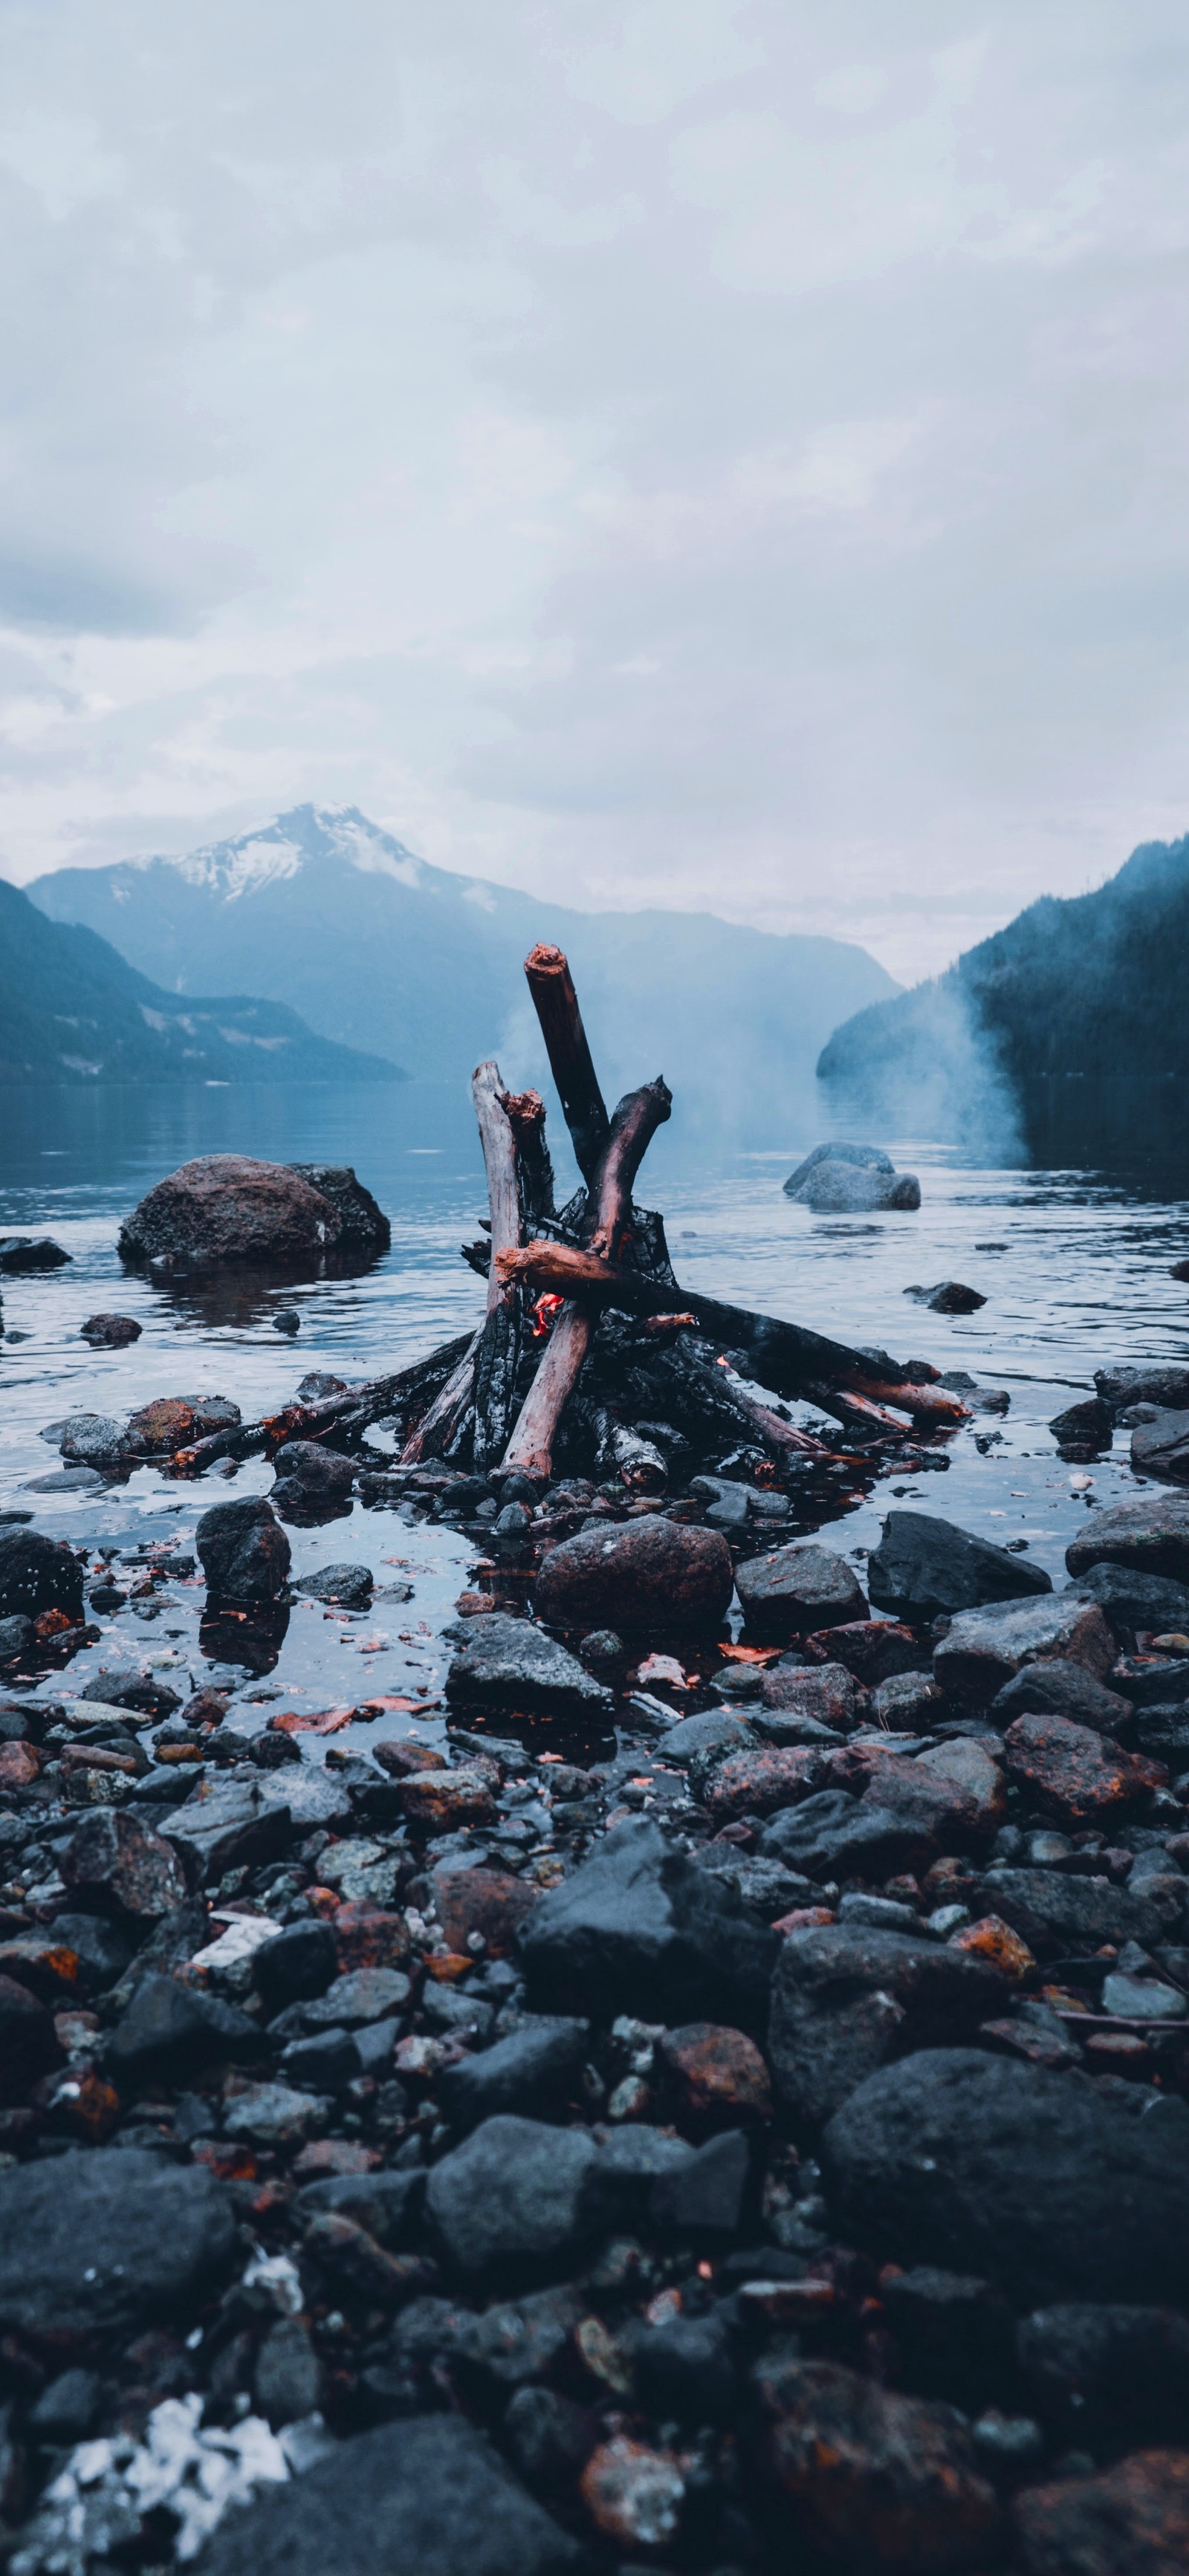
(509, 1663)
(307, 1794)
(1150, 1536)
(288, 2374)
(833, 1835)
(533, 2071)
(796, 1589)
(866, 1158)
(1089, 1425)
(513, 2193)
(648, 1573)
(226, 1825)
(244, 1552)
(925, 1566)
(799, 1696)
(948, 1297)
(363, 1995)
(908, 1703)
(350, 1586)
(984, 1648)
(274, 2115)
(1102, 2374)
(1161, 1448)
(431, 2496)
(843, 1179)
(171, 2033)
(704, 2197)
(16, 1636)
(847, 1999)
(1070, 1917)
(1052, 1686)
(298, 1962)
(123, 1867)
(318, 1472)
(1130, 1600)
(93, 1440)
(639, 1929)
(1163, 1383)
(389, 2205)
(1027, 2178)
(103, 2241)
(716, 1730)
(38, 1573)
(22, 1252)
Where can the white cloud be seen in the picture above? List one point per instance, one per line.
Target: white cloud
(713, 452)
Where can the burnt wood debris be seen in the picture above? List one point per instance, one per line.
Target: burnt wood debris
(712, 2092)
(588, 1331)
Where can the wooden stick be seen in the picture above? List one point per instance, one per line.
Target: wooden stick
(526, 1111)
(347, 1413)
(530, 1449)
(437, 1425)
(556, 1004)
(497, 1137)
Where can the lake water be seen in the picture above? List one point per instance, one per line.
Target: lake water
(1075, 1270)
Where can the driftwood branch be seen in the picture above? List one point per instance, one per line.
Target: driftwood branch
(346, 1414)
(609, 1207)
(786, 1357)
(570, 1062)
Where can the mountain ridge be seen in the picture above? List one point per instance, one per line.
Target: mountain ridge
(72, 1010)
(379, 948)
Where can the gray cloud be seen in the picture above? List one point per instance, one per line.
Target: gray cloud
(713, 452)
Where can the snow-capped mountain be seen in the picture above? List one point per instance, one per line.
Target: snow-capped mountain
(377, 949)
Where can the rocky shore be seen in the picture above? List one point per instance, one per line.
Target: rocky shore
(722, 2103)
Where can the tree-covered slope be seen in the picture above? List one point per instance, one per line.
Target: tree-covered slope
(72, 1010)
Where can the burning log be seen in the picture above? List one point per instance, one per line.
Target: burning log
(346, 1415)
(519, 1173)
(789, 1358)
(609, 1211)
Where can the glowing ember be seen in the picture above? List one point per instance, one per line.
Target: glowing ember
(543, 1313)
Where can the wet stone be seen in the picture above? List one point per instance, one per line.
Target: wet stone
(639, 1929)
(985, 1648)
(924, 1566)
(110, 1332)
(825, 1693)
(1131, 1599)
(38, 1574)
(847, 1999)
(348, 1586)
(514, 2193)
(274, 2115)
(121, 1864)
(1058, 1688)
(756, 1784)
(713, 2077)
(432, 2495)
(1146, 1537)
(874, 2478)
(107, 2241)
(243, 1550)
(796, 1589)
(508, 1663)
(833, 1835)
(1105, 2374)
(1061, 1915)
(1130, 2520)
(534, 2071)
(172, 2033)
(1077, 1776)
(648, 1573)
(1034, 2180)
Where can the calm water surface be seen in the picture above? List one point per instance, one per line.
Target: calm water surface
(1075, 1269)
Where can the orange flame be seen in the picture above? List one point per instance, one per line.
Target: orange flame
(543, 1313)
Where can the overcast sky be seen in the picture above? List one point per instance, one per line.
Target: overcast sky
(727, 453)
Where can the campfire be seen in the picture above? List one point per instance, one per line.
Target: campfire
(592, 1357)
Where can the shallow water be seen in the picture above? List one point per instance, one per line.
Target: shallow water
(1075, 1270)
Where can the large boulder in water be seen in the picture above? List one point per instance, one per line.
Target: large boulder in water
(232, 1210)
(840, 1178)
